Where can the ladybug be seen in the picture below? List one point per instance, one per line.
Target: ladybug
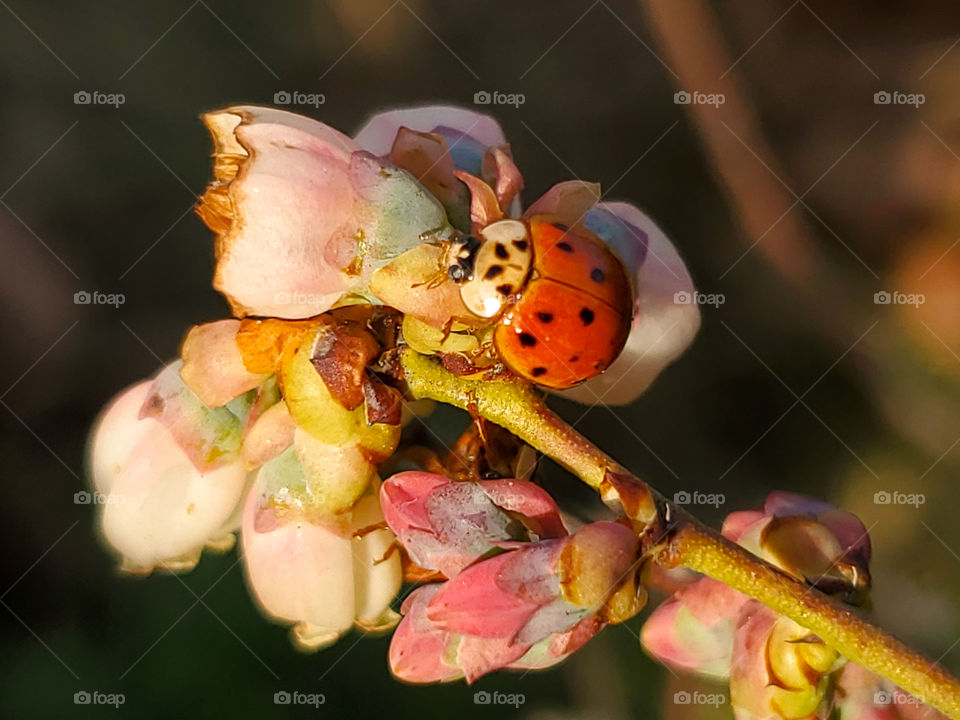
(561, 300)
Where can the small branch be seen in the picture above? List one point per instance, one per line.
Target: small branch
(700, 548)
(515, 406)
(521, 410)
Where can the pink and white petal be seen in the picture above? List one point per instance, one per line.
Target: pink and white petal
(849, 531)
(161, 510)
(210, 437)
(500, 173)
(299, 572)
(115, 434)
(781, 502)
(694, 630)
(403, 498)
(559, 646)
(213, 365)
(663, 324)
(378, 133)
(270, 435)
(427, 157)
(741, 522)
(474, 603)
(569, 200)
(484, 207)
(377, 571)
(419, 652)
(529, 500)
(861, 695)
(478, 656)
(751, 683)
(287, 207)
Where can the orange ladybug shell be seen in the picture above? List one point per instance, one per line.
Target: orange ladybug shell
(573, 317)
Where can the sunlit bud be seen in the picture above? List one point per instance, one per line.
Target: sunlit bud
(171, 472)
(446, 525)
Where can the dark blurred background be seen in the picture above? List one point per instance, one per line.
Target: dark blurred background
(797, 199)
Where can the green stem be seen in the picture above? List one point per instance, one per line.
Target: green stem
(688, 543)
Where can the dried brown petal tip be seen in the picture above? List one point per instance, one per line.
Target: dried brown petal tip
(627, 495)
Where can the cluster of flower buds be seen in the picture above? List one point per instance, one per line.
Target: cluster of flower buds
(521, 592)
(778, 670)
(276, 422)
(257, 428)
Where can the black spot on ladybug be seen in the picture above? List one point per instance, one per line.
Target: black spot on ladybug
(565, 246)
(544, 317)
(574, 358)
(520, 245)
(538, 371)
(505, 289)
(501, 251)
(527, 340)
(561, 226)
(492, 272)
(586, 315)
(597, 275)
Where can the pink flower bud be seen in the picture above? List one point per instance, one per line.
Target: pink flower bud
(164, 502)
(862, 695)
(446, 525)
(776, 668)
(303, 213)
(694, 629)
(779, 670)
(522, 608)
(320, 573)
(808, 538)
(213, 365)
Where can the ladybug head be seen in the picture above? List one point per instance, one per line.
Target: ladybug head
(461, 258)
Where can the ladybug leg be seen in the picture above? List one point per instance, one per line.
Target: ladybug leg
(364, 531)
(391, 551)
(436, 235)
(416, 574)
(478, 421)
